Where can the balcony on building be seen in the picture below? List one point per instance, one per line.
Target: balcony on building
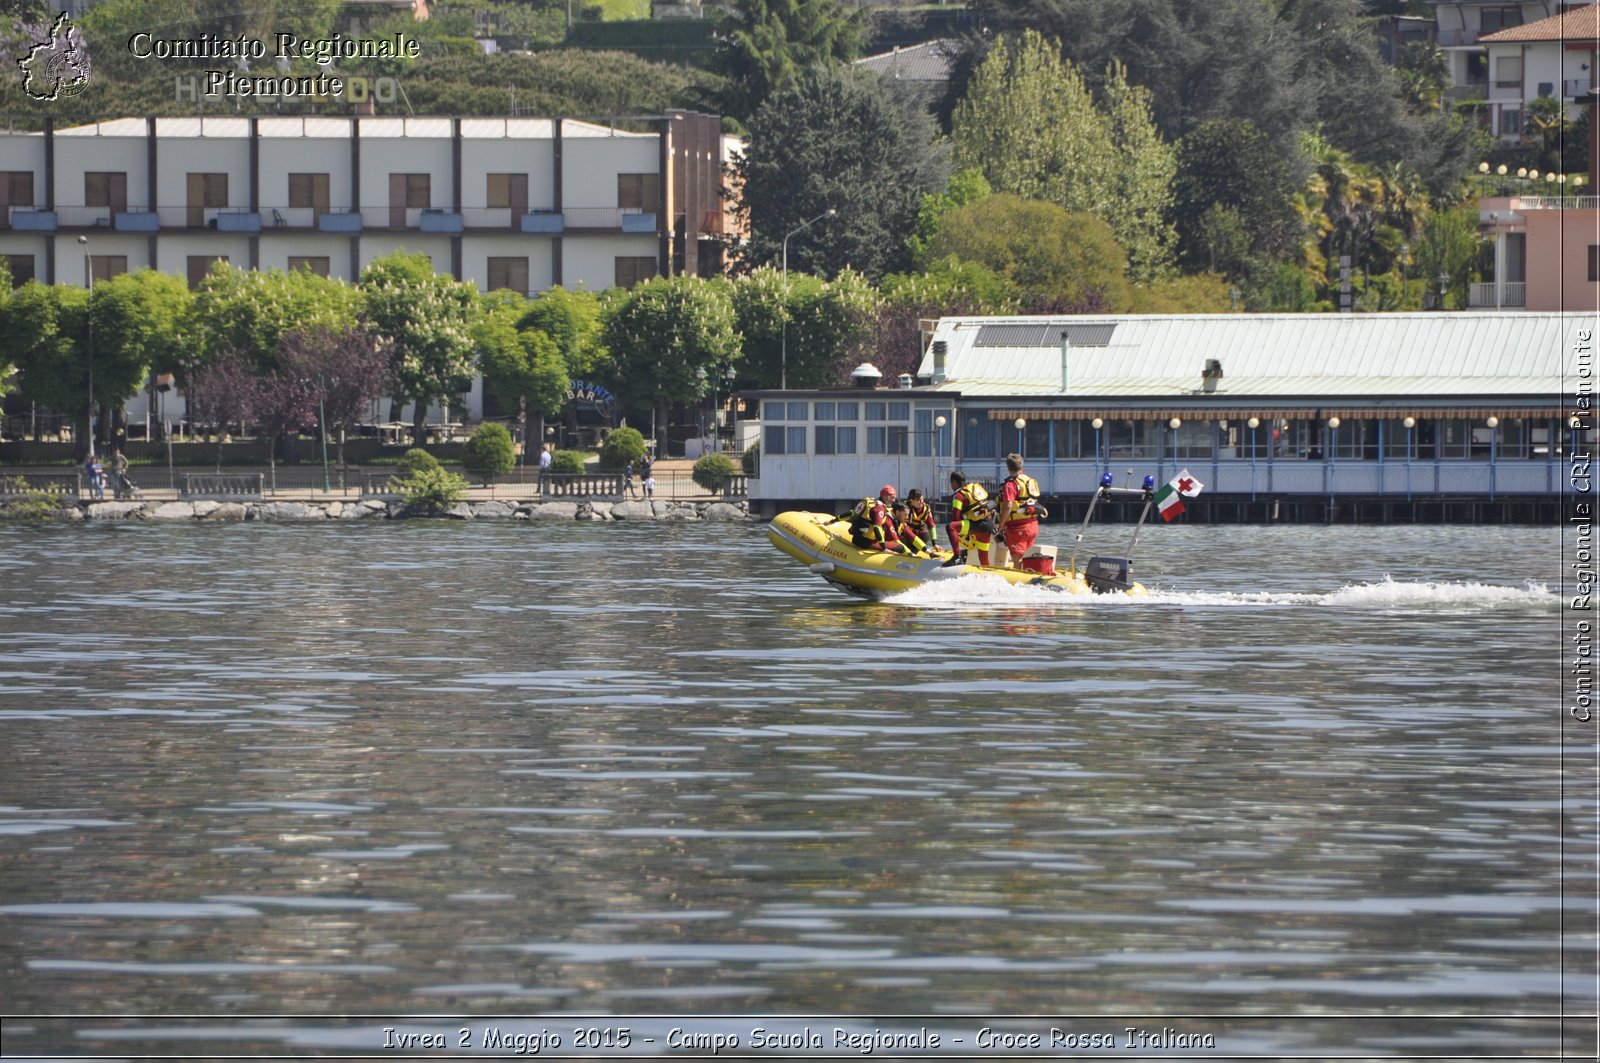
(608, 220)
(543, 221)
(339, 221)
(136, 221)
(441, 221)
(238, 221)
(29, 220)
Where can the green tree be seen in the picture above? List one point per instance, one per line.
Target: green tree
(250, 311)
(661, 332)
(834, 140)
(1232, 165)
(1052, 256)
(43, 337)
(804, 333)
(573, 320)
(1031, 124)
(964, 187)
(712, 471)
(7, 369)
(761, 313)
(60, 340)
(522, 370)
(1285, 66)
(429, 492)
(623, 446)
(429, 321)
(1449, 248)
(489, 452)
(827, 326)
(133, 319)
(764, 44)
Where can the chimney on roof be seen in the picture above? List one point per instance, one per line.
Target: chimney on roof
(940, 350)
(1210, 374)
(866, 375)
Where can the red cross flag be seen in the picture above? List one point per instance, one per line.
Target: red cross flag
(1169, 500)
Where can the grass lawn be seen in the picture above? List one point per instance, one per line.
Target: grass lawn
(624, 9)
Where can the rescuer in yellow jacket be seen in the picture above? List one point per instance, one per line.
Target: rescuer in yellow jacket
(971, 520)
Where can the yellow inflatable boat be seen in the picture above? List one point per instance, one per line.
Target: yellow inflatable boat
(821, 542)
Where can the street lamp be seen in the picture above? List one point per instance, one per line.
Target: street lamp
(1254, 423)
(783, 370)
(1097, 424)
(717, 408)
(1333, 453)
(88, 317)
(1494, 431)
(322, 428)
(700, 378)
(933, 483)
(1021, 423)
(1175, 424)
(1411, 425)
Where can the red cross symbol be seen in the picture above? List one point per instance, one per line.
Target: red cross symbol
(1185, 485)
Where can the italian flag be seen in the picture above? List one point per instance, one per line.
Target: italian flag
(1169, 500)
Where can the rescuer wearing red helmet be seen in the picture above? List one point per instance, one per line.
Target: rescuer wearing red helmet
(870, 526)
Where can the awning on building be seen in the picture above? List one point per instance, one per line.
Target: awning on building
(1500, 409)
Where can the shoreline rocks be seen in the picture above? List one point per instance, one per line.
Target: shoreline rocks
(595, 510)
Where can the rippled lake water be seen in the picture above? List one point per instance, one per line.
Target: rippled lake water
(1316, 794)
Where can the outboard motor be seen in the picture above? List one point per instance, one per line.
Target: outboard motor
(1108, 575)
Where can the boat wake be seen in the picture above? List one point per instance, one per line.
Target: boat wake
(1388, 594)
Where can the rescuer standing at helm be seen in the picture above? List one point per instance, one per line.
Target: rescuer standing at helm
(1020, 509)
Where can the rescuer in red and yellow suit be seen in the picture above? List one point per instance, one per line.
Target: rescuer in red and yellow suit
(920, 518)
(900, 521)
(1020, 510)
(871, 527)
(971, 520)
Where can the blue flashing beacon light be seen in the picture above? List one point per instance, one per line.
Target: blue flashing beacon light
(1149, 482)
(1106, 479)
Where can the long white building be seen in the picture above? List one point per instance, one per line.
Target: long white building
(1459, 405)
(517, 203)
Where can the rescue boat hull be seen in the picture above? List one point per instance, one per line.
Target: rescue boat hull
(821, 542)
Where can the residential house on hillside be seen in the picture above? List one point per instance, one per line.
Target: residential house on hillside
(1546, 235)
(1463, 30)
(1551, 58)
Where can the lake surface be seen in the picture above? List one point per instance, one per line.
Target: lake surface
(273, 788)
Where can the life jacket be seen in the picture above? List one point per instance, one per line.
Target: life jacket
(864, 511)
(922, 523)
(970, 502)
(1026, 507)
(871, 517)
(908, 536)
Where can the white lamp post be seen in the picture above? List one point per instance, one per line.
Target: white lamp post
(1254, 423)
(88, 317)
(1333, 449)
(933, 484)
(1494, 432)
(1097, 424)
(1175, 424)
(783, 367)
(1411, 425)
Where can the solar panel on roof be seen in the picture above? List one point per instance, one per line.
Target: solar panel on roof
(1015, 335)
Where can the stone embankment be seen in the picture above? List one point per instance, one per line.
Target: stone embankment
(379, 509)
